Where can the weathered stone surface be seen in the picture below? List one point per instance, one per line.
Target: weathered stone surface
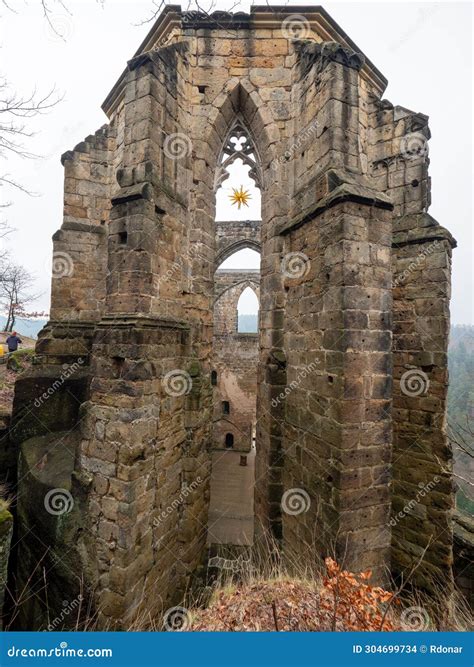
(235, 355)
(354, 294)
(6, 532)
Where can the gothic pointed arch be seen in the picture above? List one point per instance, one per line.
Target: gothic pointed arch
(238, 287)
(235, 246)
(238, 144)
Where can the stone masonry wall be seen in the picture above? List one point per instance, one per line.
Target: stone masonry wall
(146, 353)
(335, 328)
(229, 285)
(337, 428)
(79, 252)
(6, 531)
(235, 235)
(234, 359)
(344, 198)
(422, 500)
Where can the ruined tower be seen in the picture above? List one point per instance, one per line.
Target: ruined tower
(351, 452)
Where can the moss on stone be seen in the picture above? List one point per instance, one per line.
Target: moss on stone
(6, 517)
(19, 359)
(194, 369)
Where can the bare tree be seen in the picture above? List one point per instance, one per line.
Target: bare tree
(15, 285)
(14, 111)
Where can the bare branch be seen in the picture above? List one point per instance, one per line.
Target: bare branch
(6, 179)
(47, 13)
(156, 10)
(25, 107)
(5, 4)
(12, 132)
(159, 6)
(463, 479)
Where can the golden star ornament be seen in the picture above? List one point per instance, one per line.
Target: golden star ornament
(240, 197)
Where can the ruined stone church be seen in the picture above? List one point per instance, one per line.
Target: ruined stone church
(333, 413)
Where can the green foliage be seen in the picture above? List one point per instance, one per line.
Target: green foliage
(461, 407)
(19, 360)
(464, 504)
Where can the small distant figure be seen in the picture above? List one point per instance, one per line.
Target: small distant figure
(13, 341)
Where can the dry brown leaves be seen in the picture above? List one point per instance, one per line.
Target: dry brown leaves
(343, 601)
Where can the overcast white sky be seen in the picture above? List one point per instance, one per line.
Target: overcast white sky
(424, 49)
